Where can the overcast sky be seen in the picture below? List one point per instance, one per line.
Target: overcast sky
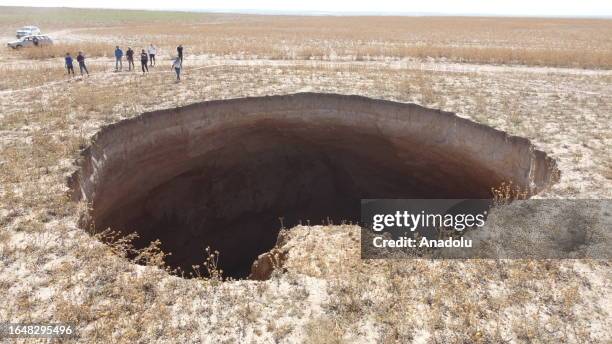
(476, 7)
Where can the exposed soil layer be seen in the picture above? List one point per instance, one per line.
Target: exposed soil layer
(221, 173)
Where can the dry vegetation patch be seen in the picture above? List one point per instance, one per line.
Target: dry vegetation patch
(59, 50)
(581, 43)
(477, 40)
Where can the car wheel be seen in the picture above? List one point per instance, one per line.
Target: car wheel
(18, 47)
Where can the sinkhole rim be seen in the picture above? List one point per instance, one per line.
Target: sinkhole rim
(114, 144)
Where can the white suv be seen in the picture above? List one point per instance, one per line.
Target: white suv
(30, 41)
(28, 31)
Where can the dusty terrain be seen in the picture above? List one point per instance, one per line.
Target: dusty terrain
(555, 88)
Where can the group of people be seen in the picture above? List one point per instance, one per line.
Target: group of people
(147, 59)
(80, 59)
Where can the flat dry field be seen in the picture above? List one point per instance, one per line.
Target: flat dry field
(545, 79)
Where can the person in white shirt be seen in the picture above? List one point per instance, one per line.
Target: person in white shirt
(152, 51)
(176, 65)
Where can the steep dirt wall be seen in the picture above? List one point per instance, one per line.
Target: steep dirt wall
(221, 173)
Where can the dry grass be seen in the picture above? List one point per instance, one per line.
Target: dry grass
(542, 42)
(90, 49)
(582, 43)
(59, 18)
(456, 301)
(15, 78)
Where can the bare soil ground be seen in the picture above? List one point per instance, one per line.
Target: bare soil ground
(544, 79)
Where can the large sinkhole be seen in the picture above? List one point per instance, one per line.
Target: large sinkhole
(220, 174)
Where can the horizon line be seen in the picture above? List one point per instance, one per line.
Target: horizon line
(315, 13)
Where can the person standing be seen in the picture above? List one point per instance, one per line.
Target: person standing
(179, 50)
(81, 61)
(152, 51)
(144, 59)
(69, 65)
(176, 65)
(118, 59)
(129, 54)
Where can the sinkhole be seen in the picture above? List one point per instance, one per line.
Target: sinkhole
(221, 173)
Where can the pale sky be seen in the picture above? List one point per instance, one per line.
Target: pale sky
(476, 7)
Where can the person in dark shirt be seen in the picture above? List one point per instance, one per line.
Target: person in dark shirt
(179, 50)
(81, 60)
(130, 57)
(69, 66)
(144, 59)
